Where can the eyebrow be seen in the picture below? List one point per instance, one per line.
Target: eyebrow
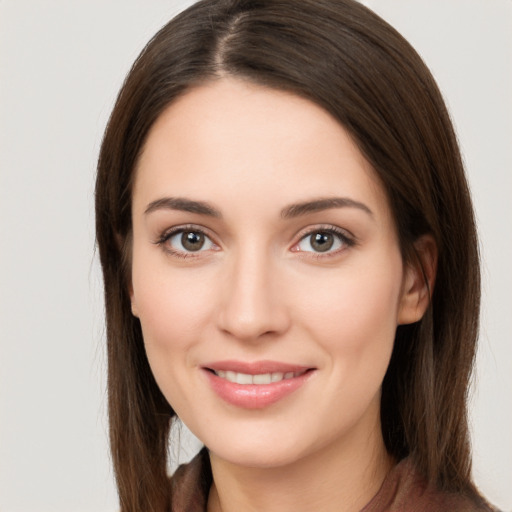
(184, 205)
(291, 211)
(316, 205)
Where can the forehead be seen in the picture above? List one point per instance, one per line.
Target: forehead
(231, 138)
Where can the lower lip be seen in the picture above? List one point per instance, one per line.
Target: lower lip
(255, 396)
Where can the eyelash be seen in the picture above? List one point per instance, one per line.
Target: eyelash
(346, 240)
(167, 235)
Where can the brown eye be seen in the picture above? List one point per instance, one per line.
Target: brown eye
(192, 240)
(324, 241)
(321, 242)
(186, 241)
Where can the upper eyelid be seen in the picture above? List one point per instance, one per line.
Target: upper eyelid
(324, 227)
(167, 233)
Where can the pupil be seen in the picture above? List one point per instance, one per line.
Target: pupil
(192, 241)
(322, 242)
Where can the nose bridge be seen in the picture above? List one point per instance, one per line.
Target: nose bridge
(252, 304)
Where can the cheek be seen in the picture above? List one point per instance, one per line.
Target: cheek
(353, 320)
(172, 305)
(354, 313)
(173, 310)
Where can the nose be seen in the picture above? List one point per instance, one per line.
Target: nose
(252, 305)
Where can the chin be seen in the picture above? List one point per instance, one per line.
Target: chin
(264, 448)
(254, 445)
(257, 457)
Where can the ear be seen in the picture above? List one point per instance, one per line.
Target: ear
(122, 244)
(135, 311)
(418, 281)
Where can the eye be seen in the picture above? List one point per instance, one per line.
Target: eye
(323, 241)
(182, 242)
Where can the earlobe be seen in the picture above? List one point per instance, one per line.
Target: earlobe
(419, 280)
(133, 303)
(124, 246)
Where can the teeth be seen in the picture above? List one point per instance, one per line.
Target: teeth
(277, 376)
(243, 378)
(264, 378)
(261, 378)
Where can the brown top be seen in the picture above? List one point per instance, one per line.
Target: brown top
(403, 490)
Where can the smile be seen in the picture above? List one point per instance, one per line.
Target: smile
(255, 385)
(260, 378)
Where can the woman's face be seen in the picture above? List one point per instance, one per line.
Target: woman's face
(266, 274)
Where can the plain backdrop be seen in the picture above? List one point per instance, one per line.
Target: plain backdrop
(61, 65)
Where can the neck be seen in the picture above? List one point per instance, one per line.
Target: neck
(343, 477)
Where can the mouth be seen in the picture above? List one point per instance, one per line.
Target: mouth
(259, 378)
(255, 385)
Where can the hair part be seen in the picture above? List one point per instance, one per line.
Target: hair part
(343, 57)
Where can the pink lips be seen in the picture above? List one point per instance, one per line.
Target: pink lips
(255, 396)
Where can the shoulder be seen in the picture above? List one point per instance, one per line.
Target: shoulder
(404, 490)
(191, 483)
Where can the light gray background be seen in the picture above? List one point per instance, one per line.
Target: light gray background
(61, 65)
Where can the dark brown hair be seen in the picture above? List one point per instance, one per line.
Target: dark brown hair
(343, 57)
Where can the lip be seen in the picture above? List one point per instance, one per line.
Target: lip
(256, 367)
(255, 396)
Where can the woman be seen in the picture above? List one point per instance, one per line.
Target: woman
(290, 266)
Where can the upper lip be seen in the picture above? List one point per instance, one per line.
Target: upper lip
(256, 367)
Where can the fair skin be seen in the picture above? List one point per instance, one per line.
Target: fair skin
(228, 275)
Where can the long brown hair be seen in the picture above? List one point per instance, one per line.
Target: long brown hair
(340, 55)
